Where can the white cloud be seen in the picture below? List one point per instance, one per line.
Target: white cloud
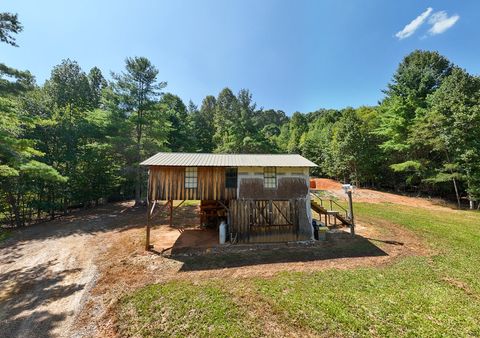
(441, 22)
(409, 29)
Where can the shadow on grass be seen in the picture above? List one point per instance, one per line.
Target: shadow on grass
(233, 257)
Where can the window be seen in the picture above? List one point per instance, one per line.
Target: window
(270, 177)
(191, 179)
(231, 175)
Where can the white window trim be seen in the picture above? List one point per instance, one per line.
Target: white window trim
(271, 175)
(191, 181)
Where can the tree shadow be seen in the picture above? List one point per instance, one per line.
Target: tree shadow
(194, 238)
(391, 242)
(110, 217)
(85, 222)
(248, 255)
(10, 253)
(25, 292)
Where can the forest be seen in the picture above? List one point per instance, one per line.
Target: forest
(77, 139)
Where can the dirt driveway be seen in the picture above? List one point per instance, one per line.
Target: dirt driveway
(47, 270)
(62, 278)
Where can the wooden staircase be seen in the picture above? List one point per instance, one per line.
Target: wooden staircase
(318, 205)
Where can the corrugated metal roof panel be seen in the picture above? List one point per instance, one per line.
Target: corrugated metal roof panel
(228, 160)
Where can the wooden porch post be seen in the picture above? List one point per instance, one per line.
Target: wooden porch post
(171, 212)
(149, 215)
(147, 230)
(350, 211)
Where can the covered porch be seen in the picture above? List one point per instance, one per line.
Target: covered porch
(180, 226)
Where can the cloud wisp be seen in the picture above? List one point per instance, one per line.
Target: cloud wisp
(411, 28)
(440, 22)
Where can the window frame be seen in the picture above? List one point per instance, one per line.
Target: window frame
(231, 178)
(191, 178)
(269, 176)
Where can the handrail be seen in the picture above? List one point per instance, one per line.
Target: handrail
(315, 195)
(338, 205)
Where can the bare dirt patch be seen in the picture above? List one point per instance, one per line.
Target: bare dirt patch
(374, 196)
(47, 270)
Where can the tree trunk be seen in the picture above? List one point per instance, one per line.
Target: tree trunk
(52, 206)
(138, 199)
(138, 174)
(38, 206)
(457, 194)
(65, 206)
(454, 183)
(472, 204)
(17, 221)
(357, 182)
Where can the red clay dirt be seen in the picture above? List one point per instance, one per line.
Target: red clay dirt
(62, 278)
(374, 196)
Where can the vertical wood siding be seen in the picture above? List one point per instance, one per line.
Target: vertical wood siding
(255, 221)
(168, 183)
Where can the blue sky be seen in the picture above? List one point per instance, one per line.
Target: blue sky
(292, 55)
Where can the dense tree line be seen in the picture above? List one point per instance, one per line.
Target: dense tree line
(78, 138)
(424, 136)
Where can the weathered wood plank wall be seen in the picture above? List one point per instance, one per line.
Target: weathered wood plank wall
(168, 183)
(255, 221)
(287, 188)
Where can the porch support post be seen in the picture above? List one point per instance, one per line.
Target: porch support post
(350, 211)
(171, 212)
(147, 229)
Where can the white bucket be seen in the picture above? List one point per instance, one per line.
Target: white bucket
(222, 232)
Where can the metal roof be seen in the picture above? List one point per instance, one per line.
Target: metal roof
(228, 160)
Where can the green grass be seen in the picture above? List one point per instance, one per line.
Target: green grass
(188, 203)
(415, 296)
(180, 309)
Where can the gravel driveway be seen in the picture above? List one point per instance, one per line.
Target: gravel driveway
(47, 270)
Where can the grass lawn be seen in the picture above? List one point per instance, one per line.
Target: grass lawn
(415, 296)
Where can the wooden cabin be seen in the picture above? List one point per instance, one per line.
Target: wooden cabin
(262, 197)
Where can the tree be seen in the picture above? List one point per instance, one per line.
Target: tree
(342, 145)
(270, 117)
(236, 130)
(69, 87)
(268, 124)
(454, 121)
(418, 75)
(9, 24)
(298, 126)
(23, 81)
(20, 173)
(203, 125)
(97, 83)
(13, 81)
(226, 119)
(137, 89)
(246, 137)
(317, 142)
(69, 99)
(179, 139)
(348, 144)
